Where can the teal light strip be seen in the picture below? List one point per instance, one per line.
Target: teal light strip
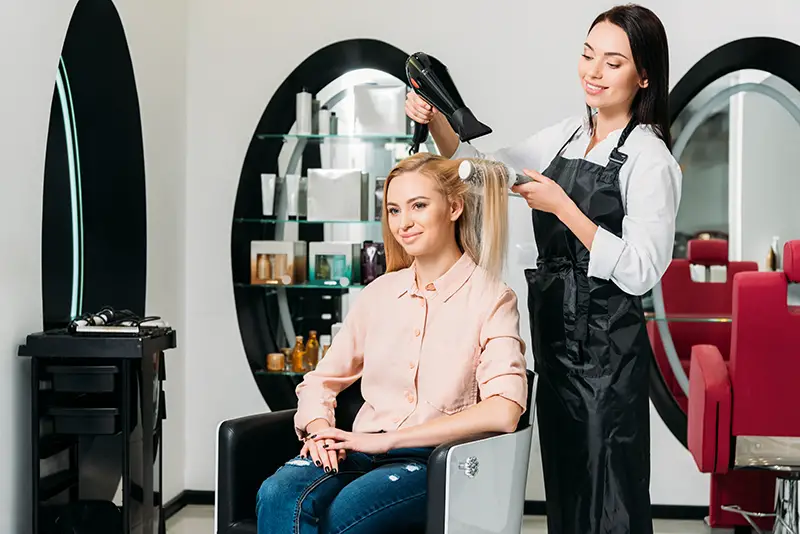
(76, 207)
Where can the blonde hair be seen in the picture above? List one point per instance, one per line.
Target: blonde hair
(482, 227)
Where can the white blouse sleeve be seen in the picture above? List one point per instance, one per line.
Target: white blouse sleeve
(637, 260)
(533, 153)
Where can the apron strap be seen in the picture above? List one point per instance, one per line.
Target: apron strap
(616, 159)
(571, 137)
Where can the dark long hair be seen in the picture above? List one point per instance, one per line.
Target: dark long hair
(650, 50)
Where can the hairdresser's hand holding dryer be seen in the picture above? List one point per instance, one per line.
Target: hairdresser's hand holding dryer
(604, 195)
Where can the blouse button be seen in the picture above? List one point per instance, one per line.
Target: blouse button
(409, 397)
(411, 365)
(416, 332)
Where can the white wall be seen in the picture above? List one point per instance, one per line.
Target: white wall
(157, 38)
(31, 36)
(516, 52)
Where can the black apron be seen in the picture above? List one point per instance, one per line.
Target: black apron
(592, 354)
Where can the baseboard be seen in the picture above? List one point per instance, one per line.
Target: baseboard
(187, 498)
(658, 511)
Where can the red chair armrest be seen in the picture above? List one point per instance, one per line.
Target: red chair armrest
(709, 431)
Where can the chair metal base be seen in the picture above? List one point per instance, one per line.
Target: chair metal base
(787, 507)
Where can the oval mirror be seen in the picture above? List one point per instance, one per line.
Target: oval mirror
(735, 129)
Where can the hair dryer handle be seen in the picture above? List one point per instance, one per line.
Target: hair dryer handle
(420, 135)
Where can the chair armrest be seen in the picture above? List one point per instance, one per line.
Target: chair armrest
(478, 484)
(709, 428)
(250, 449)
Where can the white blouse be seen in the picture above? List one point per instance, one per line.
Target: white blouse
(650, 186)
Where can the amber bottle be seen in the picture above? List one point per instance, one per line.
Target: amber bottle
(312, 351)
(298, 356)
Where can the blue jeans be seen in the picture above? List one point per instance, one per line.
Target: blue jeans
(371, 493)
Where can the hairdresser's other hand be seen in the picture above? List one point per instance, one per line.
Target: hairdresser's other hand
(418, 110)
(356, 441)
(543, 194)
(314, 447)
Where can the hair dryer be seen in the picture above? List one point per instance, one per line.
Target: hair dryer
(430, 79)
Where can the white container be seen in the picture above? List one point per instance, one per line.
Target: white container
(303, 113)
(335, 195)
(324, 121)
(268, 182)
(379, 109)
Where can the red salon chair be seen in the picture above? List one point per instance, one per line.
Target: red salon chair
(744, 417)
(690, 307)
(474, 485)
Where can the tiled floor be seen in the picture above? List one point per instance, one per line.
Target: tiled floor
(200, 520)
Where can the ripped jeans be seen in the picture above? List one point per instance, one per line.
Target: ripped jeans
(371, 493)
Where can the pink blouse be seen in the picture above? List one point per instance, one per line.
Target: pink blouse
(421, 354)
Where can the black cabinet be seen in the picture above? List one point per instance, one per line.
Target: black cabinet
(97, 406)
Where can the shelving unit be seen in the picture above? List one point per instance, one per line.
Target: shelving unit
(271, 314)
(282, 226)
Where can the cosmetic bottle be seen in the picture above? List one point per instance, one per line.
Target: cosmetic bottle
(312, 351)
(275, 362)
(298, 356)
(287, 359)
(334, 128)
(303, 113)
(324, 121)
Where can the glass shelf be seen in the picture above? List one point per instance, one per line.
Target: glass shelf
(286, 221)
(340, 138)
(264, 372)
(315, 285)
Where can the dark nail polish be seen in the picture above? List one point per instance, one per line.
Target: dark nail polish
(334, 471)
(312, 436)
(327, 469)
(319, 464)
(325, 446)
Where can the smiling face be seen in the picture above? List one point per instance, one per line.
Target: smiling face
(421, 219)
(606, 69)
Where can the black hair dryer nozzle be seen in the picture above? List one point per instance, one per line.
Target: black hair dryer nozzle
(430, 79)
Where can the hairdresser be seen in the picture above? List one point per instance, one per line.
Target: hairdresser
(604, 195)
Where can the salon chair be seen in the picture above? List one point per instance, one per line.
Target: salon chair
(693, 302)
(744, 417)
(474, 485)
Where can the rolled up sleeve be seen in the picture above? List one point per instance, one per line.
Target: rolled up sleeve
(341, 366)
(636, 260)
(501, 368)
(465, 150)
